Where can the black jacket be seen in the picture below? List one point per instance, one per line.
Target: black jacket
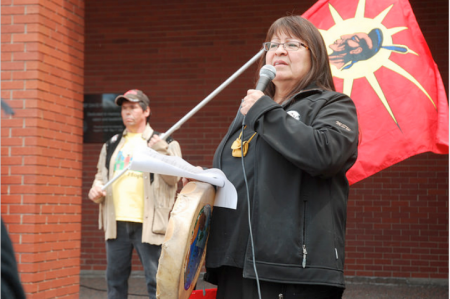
(303, 151)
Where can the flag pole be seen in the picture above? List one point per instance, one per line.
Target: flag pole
(116, 177)
(211, 95)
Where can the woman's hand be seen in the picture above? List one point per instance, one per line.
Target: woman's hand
(253, 95)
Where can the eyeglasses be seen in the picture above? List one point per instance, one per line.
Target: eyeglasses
(289, 46)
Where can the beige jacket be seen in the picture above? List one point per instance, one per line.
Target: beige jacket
(159, 196)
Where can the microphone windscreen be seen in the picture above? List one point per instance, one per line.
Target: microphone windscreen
(268, 71)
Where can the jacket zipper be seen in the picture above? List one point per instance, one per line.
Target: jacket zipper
(304, 256)
(304, 236)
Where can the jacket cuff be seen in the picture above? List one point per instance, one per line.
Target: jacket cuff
(264, 104)
(161, 147)
(99, 200)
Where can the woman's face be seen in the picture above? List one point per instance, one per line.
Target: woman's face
(291, 66)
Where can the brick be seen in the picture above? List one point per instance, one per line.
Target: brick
(13, 84)
(12, 66)
(12, 10)
(11, 180)
(26, 75)
(6, 57)
(26, 19)
(6, 20)
(28, 56)
(6, 38)
(27, 94)
(26, 2)
(13, 29)
(13, 122)
(11, 219)
(11, 198)
(28, 37)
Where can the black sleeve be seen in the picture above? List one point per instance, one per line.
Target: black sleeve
(11, 285)
(327, 144)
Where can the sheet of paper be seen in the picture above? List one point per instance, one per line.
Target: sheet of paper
(148, 160)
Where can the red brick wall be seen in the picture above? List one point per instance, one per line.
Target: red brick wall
(42, 80)
(398, 221)
(92, 242)
(178, 53)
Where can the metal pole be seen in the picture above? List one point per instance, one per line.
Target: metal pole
(211, 95)
(115, 178)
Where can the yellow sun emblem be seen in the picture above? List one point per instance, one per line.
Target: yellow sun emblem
(365, 46)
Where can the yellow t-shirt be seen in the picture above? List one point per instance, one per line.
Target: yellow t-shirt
(128, 190)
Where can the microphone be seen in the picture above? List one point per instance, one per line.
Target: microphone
(266, 74)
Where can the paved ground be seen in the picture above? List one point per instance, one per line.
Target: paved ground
(95, 287)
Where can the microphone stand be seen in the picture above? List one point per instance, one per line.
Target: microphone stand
(197, 108)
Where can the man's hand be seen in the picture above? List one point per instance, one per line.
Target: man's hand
(155, 139)
(95, 193)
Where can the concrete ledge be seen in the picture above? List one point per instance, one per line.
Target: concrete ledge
(102, 273)
(395, 281)
(348, 279)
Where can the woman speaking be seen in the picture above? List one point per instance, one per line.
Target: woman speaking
(287, 153)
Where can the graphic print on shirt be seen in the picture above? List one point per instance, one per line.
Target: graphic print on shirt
(128, 189)
(122, 161)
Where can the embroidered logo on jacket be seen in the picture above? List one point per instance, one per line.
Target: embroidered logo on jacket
(294, 114)
(345, 127)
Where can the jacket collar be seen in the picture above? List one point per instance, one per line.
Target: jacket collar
(310, 89)
(148, 131)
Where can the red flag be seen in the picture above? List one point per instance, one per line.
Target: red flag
(379, 57)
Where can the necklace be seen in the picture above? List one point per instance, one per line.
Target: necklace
(237, 144)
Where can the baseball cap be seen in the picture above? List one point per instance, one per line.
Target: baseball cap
(133, 95)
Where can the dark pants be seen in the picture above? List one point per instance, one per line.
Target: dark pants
(119, 252)
(231, 284)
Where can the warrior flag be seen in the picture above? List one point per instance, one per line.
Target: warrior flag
(379, 57)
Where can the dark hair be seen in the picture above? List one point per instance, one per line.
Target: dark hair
(320, 72)
(143, 105)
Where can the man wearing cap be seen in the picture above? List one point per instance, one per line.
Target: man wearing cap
(134, 210)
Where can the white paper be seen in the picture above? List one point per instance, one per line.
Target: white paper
(148, 160)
